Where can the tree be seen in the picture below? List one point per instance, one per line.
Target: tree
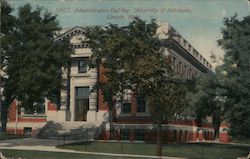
(7, 29)
(34, 60)
(208, 99)
(236, 71)
(133, 58)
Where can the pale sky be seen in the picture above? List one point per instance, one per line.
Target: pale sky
(199, 21)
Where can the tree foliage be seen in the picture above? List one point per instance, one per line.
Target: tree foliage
(33, 60)
(8, 22)
(134, 59)
(236, 71)
(208, 99)
(225, 94)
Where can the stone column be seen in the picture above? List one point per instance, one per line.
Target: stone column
(93, 92)
(64, 92)
(92, 114)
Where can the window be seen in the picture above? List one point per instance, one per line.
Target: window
(180, 137)
(175, 135)
(126, 102)
(185, 71)
(180, 68)
(139, 134)
(82, 65)
(126, 107)
(27, 131)
(190, 74)
(193, 75)
(124, 134)
(29, 111)
(141, 105)
(177, 67)
(38, 108)
(174, 60)
(82, 92)
(186, 135)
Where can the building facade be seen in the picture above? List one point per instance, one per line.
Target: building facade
(83, 107)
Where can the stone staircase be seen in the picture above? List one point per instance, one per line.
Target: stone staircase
(70, 130)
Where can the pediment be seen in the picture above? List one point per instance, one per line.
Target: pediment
(76, 35)
(77, 39)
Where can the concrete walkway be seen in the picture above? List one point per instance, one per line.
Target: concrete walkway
(217, 142)
(34, 144)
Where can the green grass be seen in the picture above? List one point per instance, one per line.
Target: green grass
(241, 141)
(193, 151)
(53, 155)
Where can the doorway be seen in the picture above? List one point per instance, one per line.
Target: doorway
(81, 103)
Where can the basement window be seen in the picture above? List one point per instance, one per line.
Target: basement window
(124, 134)
(27, 131)
(140, 134)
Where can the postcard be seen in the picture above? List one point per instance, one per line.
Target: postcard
(125, 79)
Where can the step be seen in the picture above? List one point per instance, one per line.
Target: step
(70, 130)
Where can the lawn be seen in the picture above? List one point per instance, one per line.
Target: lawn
(192, 151)
(241, 141)
(54, 155)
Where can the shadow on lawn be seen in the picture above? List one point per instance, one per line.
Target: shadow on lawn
(186, 150)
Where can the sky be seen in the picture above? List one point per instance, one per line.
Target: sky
(198, 21)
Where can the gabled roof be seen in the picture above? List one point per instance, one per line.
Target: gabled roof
(71, 32)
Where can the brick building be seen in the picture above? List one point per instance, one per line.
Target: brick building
(83, 110)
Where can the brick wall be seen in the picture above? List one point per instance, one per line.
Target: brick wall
(52, 107)
(12, 111)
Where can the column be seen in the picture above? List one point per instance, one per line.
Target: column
(92, 114)
(64, 92)
(93, 92)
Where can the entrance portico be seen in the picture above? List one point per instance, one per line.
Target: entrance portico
(82, 96)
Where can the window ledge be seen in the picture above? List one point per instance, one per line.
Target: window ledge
(81, 75)
(125, 114)
(142, 114)
(33, 115)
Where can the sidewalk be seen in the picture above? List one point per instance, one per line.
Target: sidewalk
(50, 145)
(33, 142)
(217, 142)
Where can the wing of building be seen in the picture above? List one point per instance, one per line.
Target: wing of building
(83, 110)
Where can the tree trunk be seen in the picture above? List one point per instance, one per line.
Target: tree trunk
(110, 115)
(216, 125)
(199, 120)
(110, 124)
(159, 138)
(29, 108)
(4, 116)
